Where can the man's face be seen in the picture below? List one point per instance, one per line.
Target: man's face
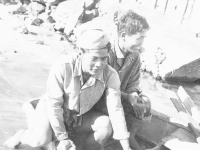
(134, 42)
(94, 60)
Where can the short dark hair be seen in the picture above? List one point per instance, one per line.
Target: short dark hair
(130, 22)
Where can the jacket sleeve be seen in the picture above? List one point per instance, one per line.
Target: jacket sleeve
(133, 83)
(55, 91)
(115, 109)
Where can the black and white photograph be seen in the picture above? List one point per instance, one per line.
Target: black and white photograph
(99, 75)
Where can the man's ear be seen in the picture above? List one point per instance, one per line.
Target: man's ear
(81, 51)
(123, 35)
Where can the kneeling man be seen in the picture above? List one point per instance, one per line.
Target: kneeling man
(75, 84)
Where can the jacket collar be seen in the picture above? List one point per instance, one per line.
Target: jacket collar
(127, 60)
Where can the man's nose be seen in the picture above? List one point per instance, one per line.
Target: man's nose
(98, 63)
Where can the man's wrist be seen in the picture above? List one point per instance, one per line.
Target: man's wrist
(125, 144)
(138, 91)
(62, 136)
(124, 96)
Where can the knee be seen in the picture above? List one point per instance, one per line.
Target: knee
(39, 142)
(105, 126)
(108, 130)
(35, 143)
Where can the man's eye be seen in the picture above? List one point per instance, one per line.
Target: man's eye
(94, 58)
(104, 59)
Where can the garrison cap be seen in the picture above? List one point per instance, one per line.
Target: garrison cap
(92, 39)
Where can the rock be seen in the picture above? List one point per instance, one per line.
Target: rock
(4, 2)
(22, 30)
(45, 28)
(90, 10)
(26, 2)
(187, 73)
(40, 42)
(106, 6)
(50, 19)
(72, 13)
(37, 22)
(23, 9)
(89, 15)
(53, 2)
(36, 7)
(197, 35)
(67, 14)
(72, 20)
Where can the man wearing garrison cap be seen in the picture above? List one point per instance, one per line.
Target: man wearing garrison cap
(75, 84)
(124, 57)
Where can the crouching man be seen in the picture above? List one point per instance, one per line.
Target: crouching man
(75, 84)
(124, 57)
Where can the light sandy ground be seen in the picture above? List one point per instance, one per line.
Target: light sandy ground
(24, 66)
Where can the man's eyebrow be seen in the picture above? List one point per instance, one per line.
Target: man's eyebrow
(143, 36)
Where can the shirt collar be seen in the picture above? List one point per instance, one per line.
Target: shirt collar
(77, 67)
(117, 50)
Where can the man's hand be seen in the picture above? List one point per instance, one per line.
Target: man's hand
(66, 145)
(139, 106)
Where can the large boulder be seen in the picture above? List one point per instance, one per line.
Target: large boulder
(36, 7)
(105, 23)
(71, 13)
(187, 73)
(108, 7)
(67, 13)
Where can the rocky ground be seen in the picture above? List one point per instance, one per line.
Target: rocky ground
(24, 64)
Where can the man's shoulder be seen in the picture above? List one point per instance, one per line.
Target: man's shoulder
(135, 54)
(134, 57)
(110, 72)
(111, 77)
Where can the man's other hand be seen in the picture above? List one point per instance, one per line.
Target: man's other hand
(139, 106)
